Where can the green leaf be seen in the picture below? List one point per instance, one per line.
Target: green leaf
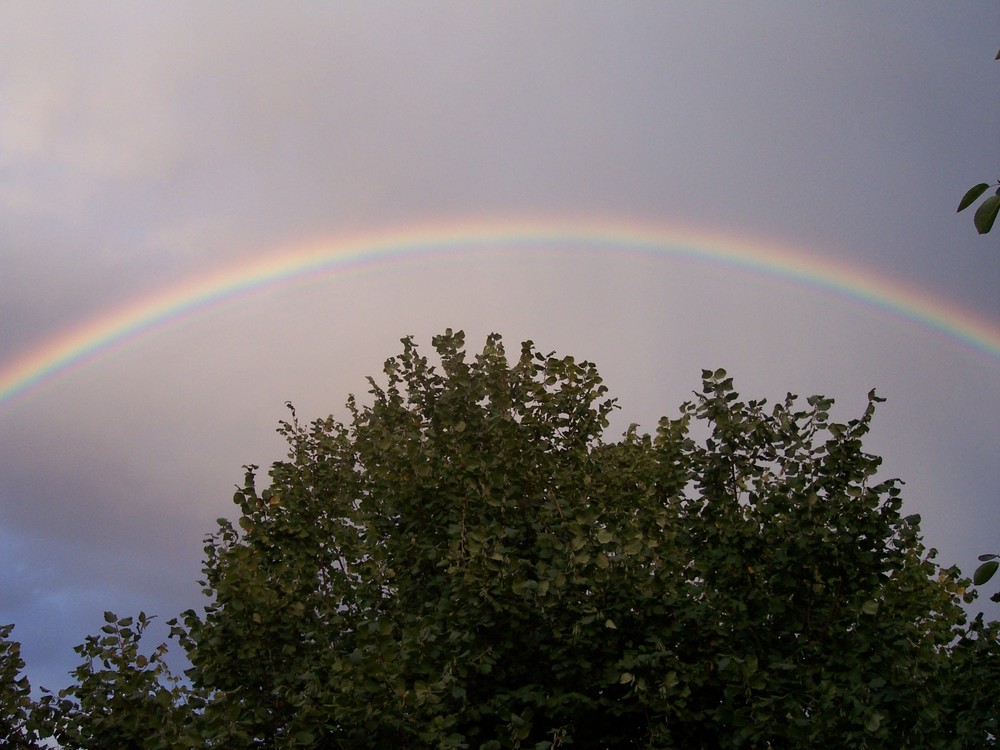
(869, 607)
(984, 558)
(970, 197)
(986, 214)
(985, 572)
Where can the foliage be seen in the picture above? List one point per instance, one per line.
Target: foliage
(15, 695)
(122, 698)
(986, 214)
(985, 572)
(469, 564)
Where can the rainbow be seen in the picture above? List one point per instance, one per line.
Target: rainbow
(80, 344)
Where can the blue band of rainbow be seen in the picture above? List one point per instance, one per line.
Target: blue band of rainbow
(80, 344)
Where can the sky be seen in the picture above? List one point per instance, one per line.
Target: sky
(207, 210)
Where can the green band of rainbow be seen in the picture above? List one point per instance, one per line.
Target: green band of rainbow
(81, 343)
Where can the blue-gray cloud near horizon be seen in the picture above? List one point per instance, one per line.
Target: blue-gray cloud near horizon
(141, 143)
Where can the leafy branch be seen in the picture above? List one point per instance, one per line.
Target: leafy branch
(985, 572)
(986, 214)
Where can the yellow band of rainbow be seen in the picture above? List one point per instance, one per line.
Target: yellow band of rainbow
(79, 344)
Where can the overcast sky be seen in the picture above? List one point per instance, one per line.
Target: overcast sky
(146, 145)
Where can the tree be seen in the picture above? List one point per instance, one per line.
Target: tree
(468, 563)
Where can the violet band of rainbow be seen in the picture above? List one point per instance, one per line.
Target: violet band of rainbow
(77, 345)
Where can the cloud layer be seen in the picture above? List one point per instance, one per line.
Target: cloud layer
(143, 144)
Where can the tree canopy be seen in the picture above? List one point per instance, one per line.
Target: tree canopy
(470, 563)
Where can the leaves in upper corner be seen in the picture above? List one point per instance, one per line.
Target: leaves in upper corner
(986, 214)
(985, 572)
(974, 192)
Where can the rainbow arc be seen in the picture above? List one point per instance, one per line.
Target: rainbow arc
(80, 344)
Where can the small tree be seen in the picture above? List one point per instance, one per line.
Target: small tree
(122, 698)
(15, 695)
(469, 564)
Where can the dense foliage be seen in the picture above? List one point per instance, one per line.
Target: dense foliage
(470, 564)
(122, 698)
(15, 694)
